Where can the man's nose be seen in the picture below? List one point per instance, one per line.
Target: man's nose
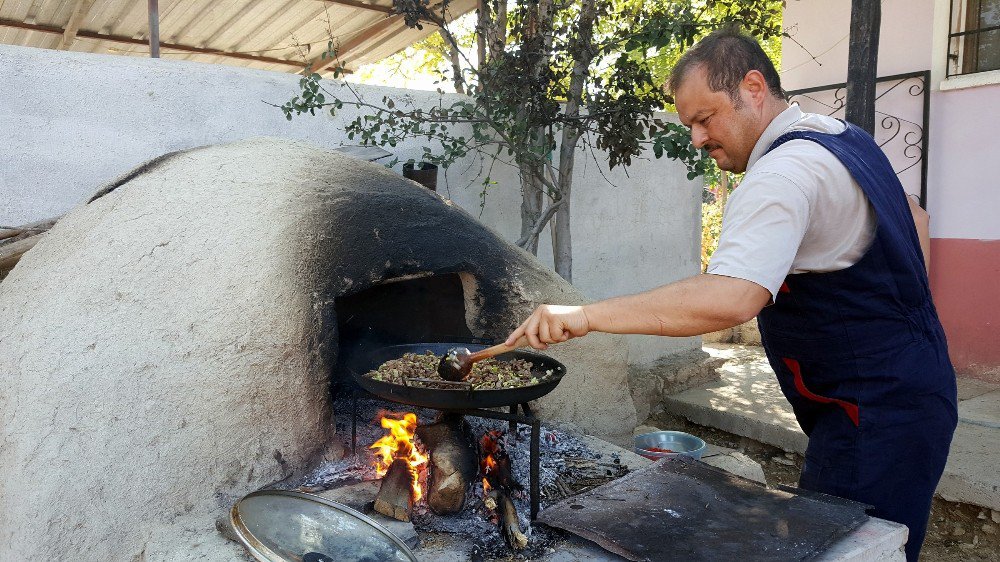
(698, 136)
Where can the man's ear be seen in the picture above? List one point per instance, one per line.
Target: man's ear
(755, 85)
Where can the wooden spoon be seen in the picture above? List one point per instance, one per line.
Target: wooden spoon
(457, 363)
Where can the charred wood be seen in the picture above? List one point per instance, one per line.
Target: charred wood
(452, 468)
(507, 521)
(395, 496)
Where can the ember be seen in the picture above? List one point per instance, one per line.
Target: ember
(498, 482)
(400, 444)
(495, 464)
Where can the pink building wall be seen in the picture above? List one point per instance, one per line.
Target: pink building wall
(963, 160)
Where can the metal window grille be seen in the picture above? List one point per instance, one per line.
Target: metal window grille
(902, 108)
(974, 41)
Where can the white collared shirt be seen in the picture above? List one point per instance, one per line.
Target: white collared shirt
(797, 209)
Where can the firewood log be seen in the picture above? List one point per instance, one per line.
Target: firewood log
(395, 496)
(453, 462)
(510, 526)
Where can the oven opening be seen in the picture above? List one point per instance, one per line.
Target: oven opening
(410, 310)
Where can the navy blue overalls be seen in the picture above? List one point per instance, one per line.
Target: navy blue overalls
(862, 358)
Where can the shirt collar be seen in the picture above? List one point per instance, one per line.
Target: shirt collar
(782, 122)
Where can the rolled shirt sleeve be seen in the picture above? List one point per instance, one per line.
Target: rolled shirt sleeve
(763, 224)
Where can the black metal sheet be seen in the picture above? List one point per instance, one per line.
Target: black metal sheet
(458, 398)
(681, 509)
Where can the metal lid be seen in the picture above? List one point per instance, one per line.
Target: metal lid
(287, 526)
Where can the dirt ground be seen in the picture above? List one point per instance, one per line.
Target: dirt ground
(956, 532)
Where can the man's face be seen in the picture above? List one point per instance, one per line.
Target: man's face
(728, 133)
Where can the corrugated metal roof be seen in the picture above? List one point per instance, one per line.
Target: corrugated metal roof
(280, 35)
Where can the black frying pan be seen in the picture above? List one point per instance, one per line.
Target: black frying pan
(461, 397)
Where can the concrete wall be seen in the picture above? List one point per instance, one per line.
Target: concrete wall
(963, 171)
(73, 121)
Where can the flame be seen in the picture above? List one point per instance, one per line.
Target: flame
(489, 445)
(400, 444)
(489, 464)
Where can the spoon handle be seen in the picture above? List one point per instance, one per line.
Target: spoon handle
(497, 350)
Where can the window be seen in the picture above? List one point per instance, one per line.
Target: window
(974, 44)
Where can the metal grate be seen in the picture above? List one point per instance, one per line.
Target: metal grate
(902, 105)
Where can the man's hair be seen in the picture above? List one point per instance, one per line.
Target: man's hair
(726, 55)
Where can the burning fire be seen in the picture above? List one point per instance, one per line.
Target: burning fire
(490, 447)
(400, 444)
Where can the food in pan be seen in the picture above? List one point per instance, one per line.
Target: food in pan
(489, 374)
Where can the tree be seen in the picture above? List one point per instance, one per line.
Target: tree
(549, 75)
(862, 63)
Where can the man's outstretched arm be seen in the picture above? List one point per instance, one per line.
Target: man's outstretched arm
(696, 305)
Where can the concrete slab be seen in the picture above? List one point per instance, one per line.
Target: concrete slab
(746, 401)
(972, 474)
(739, 464)
(970, 388)
(877, 540)
(983, 410)
(628, 458)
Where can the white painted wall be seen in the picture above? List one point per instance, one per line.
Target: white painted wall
(73, 121)
(962, 174)
(823, 29)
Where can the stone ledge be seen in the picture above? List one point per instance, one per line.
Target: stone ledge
(671, 374)
(746, 400)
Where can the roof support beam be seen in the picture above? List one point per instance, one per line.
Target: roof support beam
(80, 11)
(346, 47)
(362, 6)
(51, 29)
(154, 28)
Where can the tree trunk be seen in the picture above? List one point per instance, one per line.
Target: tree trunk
(862, 63)
(537, 46)
(497, 39)
(531, 205)
(482, 30)
(453, 54)
(583, 54)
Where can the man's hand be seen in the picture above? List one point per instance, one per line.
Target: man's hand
(922, 221)
(552, 324)
(696, 305)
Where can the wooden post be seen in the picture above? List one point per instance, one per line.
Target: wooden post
(862, 63)
(154, 29)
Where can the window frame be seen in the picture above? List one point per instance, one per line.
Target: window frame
(963, 45)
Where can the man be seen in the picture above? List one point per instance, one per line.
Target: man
(820, 243)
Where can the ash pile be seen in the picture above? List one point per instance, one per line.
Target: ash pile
(492, 518)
